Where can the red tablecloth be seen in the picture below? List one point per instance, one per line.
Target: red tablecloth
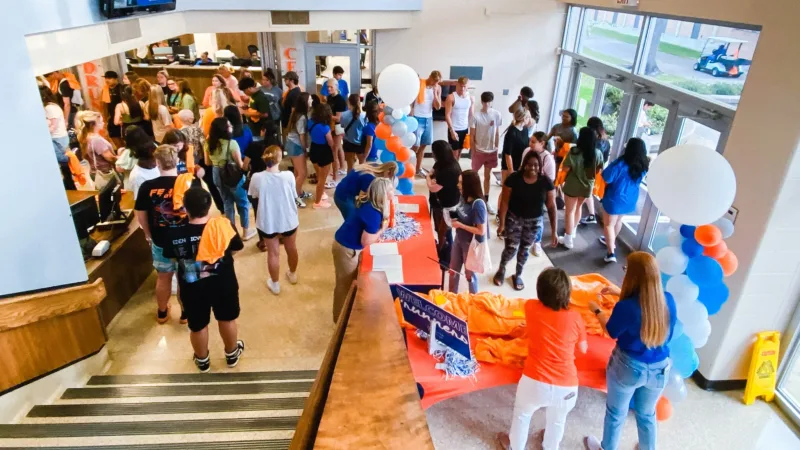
(420, 266)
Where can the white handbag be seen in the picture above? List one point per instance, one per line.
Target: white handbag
(478, 258)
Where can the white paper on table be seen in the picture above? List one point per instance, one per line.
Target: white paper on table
(394, 276)
(387, 262)
(386, 248)
(410, 208)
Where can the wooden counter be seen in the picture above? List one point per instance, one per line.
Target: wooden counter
(199, 77)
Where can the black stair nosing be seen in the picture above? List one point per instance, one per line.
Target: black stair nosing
(229, 377)
(267, 444)
(157, 427)
(184, 390)
(199, 406)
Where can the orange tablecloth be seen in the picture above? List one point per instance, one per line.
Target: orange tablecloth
(420, 266)
(591, 371)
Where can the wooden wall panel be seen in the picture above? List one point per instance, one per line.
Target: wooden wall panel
(238, 42)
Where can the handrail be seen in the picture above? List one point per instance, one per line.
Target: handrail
(24, 310)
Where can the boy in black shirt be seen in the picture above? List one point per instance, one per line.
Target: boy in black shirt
(204, 251)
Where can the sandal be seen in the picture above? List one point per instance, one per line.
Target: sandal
(518, 284)
(499, 277)
(330, 185)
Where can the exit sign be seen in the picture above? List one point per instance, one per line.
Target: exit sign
(628, 2)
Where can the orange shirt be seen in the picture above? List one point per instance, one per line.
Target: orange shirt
(552, 338)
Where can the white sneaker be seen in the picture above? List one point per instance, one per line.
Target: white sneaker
(566, 241)
(274, 286)
(300, 203)
(537, 249)
(610, 258)
(342, 172)
(291, 276)
(175, 284)
(491, 210)
(592, 443)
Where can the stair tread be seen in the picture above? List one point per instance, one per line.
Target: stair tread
(121, 409)
(186, 390)
(21, 431)
(221, 377)
(271, 444)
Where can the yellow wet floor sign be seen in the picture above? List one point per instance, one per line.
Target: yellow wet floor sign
(763, 367)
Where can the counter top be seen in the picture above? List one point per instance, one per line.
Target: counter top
(176, 66)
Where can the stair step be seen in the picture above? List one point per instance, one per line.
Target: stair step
(126, 409)
(271, 444)
(51, 430)
(223, 377)
(186, 390)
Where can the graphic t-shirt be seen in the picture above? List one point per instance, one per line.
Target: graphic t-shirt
(199, 278)
(155, 197)
(552, 337)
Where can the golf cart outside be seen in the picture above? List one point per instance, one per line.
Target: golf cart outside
(720, 58)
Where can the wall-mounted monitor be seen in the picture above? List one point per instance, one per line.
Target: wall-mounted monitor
(121, 8)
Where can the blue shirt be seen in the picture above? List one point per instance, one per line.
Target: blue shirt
(364, 218)
(625, 324)
(353, 131)
(369, 130)
(352, 185)
(622, 192)
(473, 215)
(343, 88)
(245, 139)
(318, 132)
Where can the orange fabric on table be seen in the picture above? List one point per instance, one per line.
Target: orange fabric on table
(552, 337)
(586, 288)
(509, 352)
(215, 239)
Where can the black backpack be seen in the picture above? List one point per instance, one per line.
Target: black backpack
(274, 107)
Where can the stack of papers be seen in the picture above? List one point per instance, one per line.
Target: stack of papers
(392, 265)
(388, 248)
(408, 208)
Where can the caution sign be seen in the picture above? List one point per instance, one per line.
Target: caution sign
(763, 367)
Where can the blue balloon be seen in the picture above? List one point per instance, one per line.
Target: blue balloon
(664, 279)
(684, 358)
(412, 123)
(713, 297)
(405, 186)
(704, 271)
(400, 169)
(677, 330)
(380, 144)
(691, 247)
(387, 156)
(687, 231)
(660, 241)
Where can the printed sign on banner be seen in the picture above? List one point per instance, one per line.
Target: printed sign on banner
(450, 330)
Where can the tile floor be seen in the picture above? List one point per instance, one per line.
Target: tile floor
(291, 331)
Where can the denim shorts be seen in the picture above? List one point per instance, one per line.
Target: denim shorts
(161, 263)
(424, 130)
(293, 149)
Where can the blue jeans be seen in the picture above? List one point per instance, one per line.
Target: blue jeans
(346, 206)
(628, 378)
(458, 256)
(234, 199)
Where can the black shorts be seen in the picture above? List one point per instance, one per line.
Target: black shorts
(320, 154)
(459, 144)
(219, 293)
(349, 147)
(285, 234)
(114, 131)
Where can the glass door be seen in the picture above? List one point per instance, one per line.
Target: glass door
(788, 388)
(322, 58)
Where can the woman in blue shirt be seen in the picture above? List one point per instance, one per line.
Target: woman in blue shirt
(360, 229)
(321, 151)
(642, 322)
(469, 220)
(369, 151)
(241, 134)
(353, 128)
(622, 177)
(358, 181)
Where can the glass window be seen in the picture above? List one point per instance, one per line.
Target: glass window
(583, 101)
(571, 33)
(561, 94)
(709, 60)
(334, 36)
(609, 111)
(651, 121)
(610, 37)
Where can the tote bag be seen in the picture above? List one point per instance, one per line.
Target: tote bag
(478, 258)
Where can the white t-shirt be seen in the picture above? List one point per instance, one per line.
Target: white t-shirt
(486, 125)
(300, 129)
(425, 109)
(162, 123)
(277, 210)
(53, 111)
(139, 175)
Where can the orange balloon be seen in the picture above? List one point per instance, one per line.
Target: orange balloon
(707, 235)
(729, 263)
(716, 251)
(663, 409)
(380, 117)
(383, 131)
(394, 143)
(409, 171)
(403, 154)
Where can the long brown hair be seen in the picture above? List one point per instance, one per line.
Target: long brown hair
(156, 99)
(299, 109)
(643, 279)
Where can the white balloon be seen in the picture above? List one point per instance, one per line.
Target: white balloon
(675, 390)
(407, 109)
(691, 184)
(682, 289)
(674, 237)
(672, 261)
(691, 313)
(698, 332)
(399, 128)
(409, 140)
(397, 114)
(412, 123)
(725, 226)
(399, 86)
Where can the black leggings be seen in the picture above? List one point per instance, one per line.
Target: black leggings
(212, 188)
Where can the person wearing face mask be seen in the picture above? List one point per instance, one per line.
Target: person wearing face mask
(458, 113)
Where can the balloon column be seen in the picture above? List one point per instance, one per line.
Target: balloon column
(694, 186)
(395, 135)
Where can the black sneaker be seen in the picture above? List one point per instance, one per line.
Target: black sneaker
(610, 258)
(203, 365)
(232, 358)
(589, 220)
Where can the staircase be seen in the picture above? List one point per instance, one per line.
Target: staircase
(237, 411)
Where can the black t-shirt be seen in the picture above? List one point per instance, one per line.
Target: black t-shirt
(447, 177)
(259, 102)
(527, 200)
(200, 276)
(514, 143)
(288, 105)
(155, 197)
(115, 96)
(254, 151)
(337, 103)
(372, 96)
(65, 90)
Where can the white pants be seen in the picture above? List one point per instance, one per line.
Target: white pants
(532, 395)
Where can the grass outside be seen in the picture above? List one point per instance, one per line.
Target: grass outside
(614, 61)
(585, 92)
(664, 47)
